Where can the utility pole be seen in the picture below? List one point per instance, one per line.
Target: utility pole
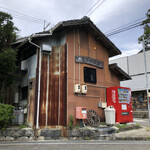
(147, 86)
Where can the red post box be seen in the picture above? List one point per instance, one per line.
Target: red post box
(81, 113)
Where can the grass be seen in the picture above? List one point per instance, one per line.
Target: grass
(123, 138)
(23, 126)
(103, 123)
(87, 138)
(126, 125)
(121, 125)
(148, 129)
(76, 127)
(138, 125)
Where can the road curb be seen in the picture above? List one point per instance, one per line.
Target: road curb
(133, 138)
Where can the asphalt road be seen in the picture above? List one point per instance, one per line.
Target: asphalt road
(76, 145)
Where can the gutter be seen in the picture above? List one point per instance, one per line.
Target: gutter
(30, 38)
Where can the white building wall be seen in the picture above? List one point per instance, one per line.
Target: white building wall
(138, 83)
(29, 65)
(122, 63)
(135, 67)
(136, 63)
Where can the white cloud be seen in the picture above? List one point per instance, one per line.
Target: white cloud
(111, 14)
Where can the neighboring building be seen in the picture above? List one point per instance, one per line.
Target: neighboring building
(53, 62)
(134, 66)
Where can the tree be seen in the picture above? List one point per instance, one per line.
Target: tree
(8, 34)
(146, 26)
(7, 31)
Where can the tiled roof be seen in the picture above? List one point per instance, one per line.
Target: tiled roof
(89, 25)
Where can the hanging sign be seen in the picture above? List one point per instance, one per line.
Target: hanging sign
(89, 61)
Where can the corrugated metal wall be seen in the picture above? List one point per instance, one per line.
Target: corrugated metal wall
(53, 88)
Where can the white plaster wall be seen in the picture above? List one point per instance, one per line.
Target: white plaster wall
(122, 63)
(137, 83)
(135, 67)
(136, 63)
(30, 65)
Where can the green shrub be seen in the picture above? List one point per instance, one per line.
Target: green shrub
(23, 126)
(71, 122)
(6, 115)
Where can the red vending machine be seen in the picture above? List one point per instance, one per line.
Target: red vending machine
(120, 98)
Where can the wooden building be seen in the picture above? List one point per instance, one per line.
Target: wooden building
(70, 54)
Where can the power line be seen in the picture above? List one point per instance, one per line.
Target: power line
(85, 7)
(35, 19)
(91, 7)
(124, 29)
(124, 25)
(25, 10)
(24, 18)
(96, 7)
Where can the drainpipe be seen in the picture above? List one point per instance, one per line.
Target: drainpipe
(39, 83)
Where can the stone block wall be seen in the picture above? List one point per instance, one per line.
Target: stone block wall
(11, 134)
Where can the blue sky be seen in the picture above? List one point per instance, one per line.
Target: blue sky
(110, 15)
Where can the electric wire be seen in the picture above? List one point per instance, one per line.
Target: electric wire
(25, 9)
(92, 7)
(25, 18)
(84, 9)
(21, 14)
(119, 29)
(124, 25)
(96, 7)
(124, 29)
